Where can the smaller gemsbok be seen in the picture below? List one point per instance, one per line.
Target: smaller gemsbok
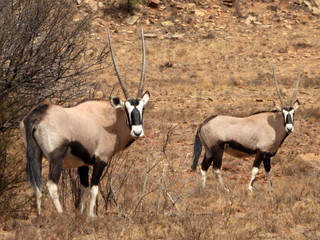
(260, 134)
(88, 134)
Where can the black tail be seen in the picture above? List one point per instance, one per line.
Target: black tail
(197, 148)
(34, 156)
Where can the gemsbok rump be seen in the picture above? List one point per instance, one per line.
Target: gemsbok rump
(87, 134)
(260, 134)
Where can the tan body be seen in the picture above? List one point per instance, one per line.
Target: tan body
(260, 134)
(87, 134)
(99, 127)
(263, 131)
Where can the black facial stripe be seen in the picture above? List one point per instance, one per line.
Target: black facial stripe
(135, 117)
(289, 119)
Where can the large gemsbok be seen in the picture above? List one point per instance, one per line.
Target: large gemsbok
(87, 134)
(260, 134)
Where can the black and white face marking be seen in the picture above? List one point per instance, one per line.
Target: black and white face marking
(288, 116)
(134, 109)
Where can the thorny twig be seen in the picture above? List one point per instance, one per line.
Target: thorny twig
(167, 138)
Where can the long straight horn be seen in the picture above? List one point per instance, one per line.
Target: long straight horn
(143, 70)
(121, 81)
(277, 87)
(295, 93)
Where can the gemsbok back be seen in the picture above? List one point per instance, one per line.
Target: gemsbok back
(88, 134)
(260, 134)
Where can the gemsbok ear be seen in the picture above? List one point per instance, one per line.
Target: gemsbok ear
(116, 102)
(296, 105)
(145, 97)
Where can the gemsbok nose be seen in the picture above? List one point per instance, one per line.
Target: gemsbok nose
(289, 127)
(137, 133)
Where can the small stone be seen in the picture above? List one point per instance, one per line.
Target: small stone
(132, 19)
(167, 24)
(154, 3)
(250, 19)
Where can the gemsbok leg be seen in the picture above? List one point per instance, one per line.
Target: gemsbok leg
(56, 158)
(213, 156)
(98, 168)
(84, 181)
(267, 168)
(204, 168)
(255, 168)
(217, 152)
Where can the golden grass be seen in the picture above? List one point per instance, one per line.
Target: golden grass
(154, 195)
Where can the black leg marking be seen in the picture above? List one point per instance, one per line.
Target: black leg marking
(259, 157)
(217, 152)
(206, 162)
(56, 158)
(267, 167)
(97, 171)
(84, 175)
(267, 163)
(256, 164)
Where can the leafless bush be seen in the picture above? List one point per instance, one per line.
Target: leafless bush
(42, 56)
(41, 49)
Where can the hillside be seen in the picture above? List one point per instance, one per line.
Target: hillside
(203, 58)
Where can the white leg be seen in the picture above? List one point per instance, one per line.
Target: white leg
(93, 197)
(84, 197)
(255, 170)
(38, 199)
(53, 190)
(269, 181)
(219, 178)
(204, 178)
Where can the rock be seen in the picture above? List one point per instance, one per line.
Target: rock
(250, 19)
(316, 10)
(167, 24)
(178, 35)
(313, 6)
(174, 36)
(154, 3)
(199, 13)
(150, 35)
(132, 19)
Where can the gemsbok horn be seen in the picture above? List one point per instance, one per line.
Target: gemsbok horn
(88, 134)
(260, 134)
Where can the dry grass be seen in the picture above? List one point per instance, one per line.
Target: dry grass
(149, 192)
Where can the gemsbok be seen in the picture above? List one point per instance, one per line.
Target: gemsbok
(88, 134)
(260, 134)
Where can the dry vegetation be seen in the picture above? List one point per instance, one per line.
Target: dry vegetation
(217, 63)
